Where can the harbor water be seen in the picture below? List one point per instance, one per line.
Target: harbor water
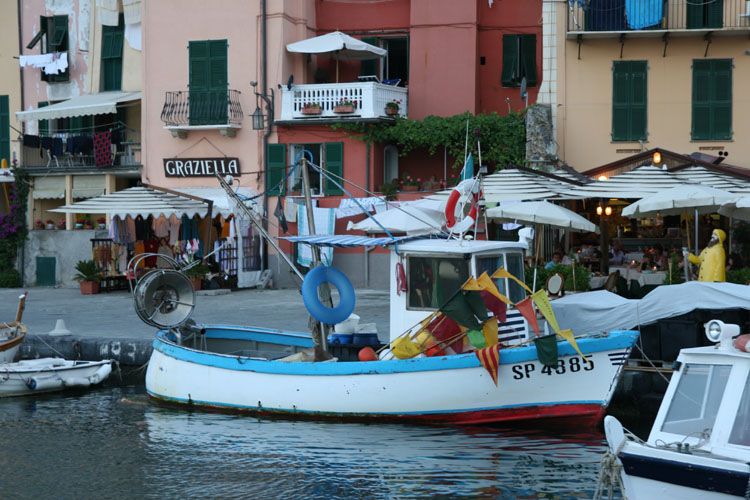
(114, 443)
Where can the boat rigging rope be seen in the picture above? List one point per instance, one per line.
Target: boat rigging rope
(610, 476)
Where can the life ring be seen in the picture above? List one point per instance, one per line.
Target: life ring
(464, 188)
(742, 343)
(319, 311)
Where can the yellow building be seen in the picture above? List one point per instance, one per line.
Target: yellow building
(10, 83)
(623, 77)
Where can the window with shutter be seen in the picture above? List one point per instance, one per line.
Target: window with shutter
(43, 124)
(112, 43)
(56, 31)
(712, 99)
(629, 100)
(334, 165)
(519, 60)
(704, 15)
(208, 85)
(4, 128)
(369, 67)
(275, 169)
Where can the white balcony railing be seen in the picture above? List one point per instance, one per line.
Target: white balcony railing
(369, 98)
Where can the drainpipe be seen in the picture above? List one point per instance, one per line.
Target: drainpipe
(22, 262)
(267, 132)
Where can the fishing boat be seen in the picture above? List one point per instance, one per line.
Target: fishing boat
(36, 376)
(699, 445)
(12, 334)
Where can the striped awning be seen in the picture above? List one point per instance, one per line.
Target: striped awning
(516, 185)
(637, 183)
(136, 201)
(51, 187)
(83, 105)
(346, 241)
(698, 174)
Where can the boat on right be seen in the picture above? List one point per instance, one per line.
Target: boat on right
(699, 445)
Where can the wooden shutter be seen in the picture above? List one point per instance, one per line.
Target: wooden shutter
(334, 152)
(43, 124)
(370, 66)
(57, 37)
(629, 100)
(112, 44)
(638, 100)
(5, 128)
(275, 169)
(620, 100)
(714, 14)
(198, 81)
(528, 59)
(208, 82)
(510, 60)
(712, 99)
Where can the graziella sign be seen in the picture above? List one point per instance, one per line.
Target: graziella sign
(201, 167)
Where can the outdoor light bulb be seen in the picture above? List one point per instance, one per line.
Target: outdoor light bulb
(657, 158)
(602, 178)
(599, 210)
(608, 211)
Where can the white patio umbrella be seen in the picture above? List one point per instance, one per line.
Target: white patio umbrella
(542, 212)
(341, 45)
(405, 219)
(737, 209)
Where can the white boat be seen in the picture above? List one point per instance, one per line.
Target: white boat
(12, 334)
(699, 445)
(50, 374)
(215, 368)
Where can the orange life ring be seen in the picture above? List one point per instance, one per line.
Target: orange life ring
(742, 343)
(464, 188)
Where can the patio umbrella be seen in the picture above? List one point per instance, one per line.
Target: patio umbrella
(542, 212)
(406, 219)
(341, 45)
(737, 209)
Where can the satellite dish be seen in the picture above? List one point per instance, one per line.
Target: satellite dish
(164, 298)
(555, 284)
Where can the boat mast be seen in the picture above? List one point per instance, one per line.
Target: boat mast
(318, 329)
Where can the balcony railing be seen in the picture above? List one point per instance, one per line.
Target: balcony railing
(592, 16)
(369, 100)
(75, 150)
(185, 109)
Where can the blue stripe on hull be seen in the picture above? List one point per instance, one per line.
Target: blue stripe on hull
(615, 340)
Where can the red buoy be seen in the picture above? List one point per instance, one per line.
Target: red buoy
(367, 354)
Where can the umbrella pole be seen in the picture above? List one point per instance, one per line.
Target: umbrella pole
(696, 231)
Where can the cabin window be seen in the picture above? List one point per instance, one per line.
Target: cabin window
(514, 265)
(434, 280)
(741, 429)
(696, 401)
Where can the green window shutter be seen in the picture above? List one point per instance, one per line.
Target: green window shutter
(712, 99)
(275, 169)
(56, 29)
(370, 66)
(528, 59)
(43, 124)
(620, 100)
(208, 82)
(638, 100)
(722, 99)
(4, 128)
(510, 60)
(334, 152)
(112, 44)
(714, 14)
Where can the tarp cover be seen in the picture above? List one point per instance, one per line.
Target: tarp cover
(601, 311)
(84, 105)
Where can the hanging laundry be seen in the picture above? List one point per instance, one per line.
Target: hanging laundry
(174, 229)
(325, 223)
(31, 141)
(108, 11)
(103, 149)
(160, 227)
(351, 206)
(279, 214)
(643, 13)
(36, 61)
(58, 64)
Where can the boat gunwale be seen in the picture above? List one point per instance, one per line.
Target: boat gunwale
(87, 364)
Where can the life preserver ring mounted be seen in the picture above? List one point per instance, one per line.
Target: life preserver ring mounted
(319, 311)
(467, 187)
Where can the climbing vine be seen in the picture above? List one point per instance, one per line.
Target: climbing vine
(13, 230)
(503, 138)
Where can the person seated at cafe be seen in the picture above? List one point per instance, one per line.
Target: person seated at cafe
(616, 254)
(659, 258)
(556, 260)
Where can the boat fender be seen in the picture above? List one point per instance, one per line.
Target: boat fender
(742, 343)
(319, 311)
(464, 188)
(400, 279)
(101, 374)
(367, 354)
(40, 383)
(76, 382)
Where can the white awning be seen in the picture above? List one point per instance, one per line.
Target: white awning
(88, 186)
(85, 105)
(51, 187)
(6, 175)
(136, 201)
(222, 204)
(512, 184)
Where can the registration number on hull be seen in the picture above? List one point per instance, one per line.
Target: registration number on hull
(572, 364)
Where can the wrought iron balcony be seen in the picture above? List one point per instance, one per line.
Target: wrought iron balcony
(363, 100)
(194, 110)
(656, 17)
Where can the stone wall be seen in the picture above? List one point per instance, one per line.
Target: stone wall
(68, 247)
(540, 141)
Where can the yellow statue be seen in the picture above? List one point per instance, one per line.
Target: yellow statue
(712, 260)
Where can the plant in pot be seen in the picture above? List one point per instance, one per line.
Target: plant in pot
(311, 108)
(344, 106)
(392, 107)
(389, 190)
(196, 275)
(39, 224)
(80, 222)
(88, 276)
(50, 224)
(409, 183)
(61, 224)
(102, 223)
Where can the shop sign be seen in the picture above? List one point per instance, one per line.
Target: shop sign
(201, 167)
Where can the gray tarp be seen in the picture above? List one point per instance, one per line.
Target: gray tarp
(595, 312)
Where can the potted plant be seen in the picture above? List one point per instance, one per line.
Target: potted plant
(196, 275)
(61, 224)
(344, 106)
(389, 190)
(102, 222)
(88, 276)
(409, 183)
(311, 108)
(50, 224)
(80, 222)
(39, 224)
(392, 107)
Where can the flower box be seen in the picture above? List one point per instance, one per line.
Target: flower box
(89, 287)
(311, 110)
(343, 109)
(409, 188)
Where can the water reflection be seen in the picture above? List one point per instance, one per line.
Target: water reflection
(112, 444)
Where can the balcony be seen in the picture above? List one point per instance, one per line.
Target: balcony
(369, 101)
(185, 111)
(655, 18)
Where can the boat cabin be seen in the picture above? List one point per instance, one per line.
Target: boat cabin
(707, 404)
(426, 272)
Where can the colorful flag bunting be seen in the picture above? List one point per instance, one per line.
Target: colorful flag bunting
(468, 171)
(526, 308)
(443, 329)
(541, 300)
(489, 357)
(476, 339)
(546, 349)
(490, 331)
(502, 273)
(567, 334)
(404, 348)
(467, 309)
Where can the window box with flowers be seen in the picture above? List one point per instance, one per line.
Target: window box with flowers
(344, 106)
(311, 108)
(409, 183)
(392, 107)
